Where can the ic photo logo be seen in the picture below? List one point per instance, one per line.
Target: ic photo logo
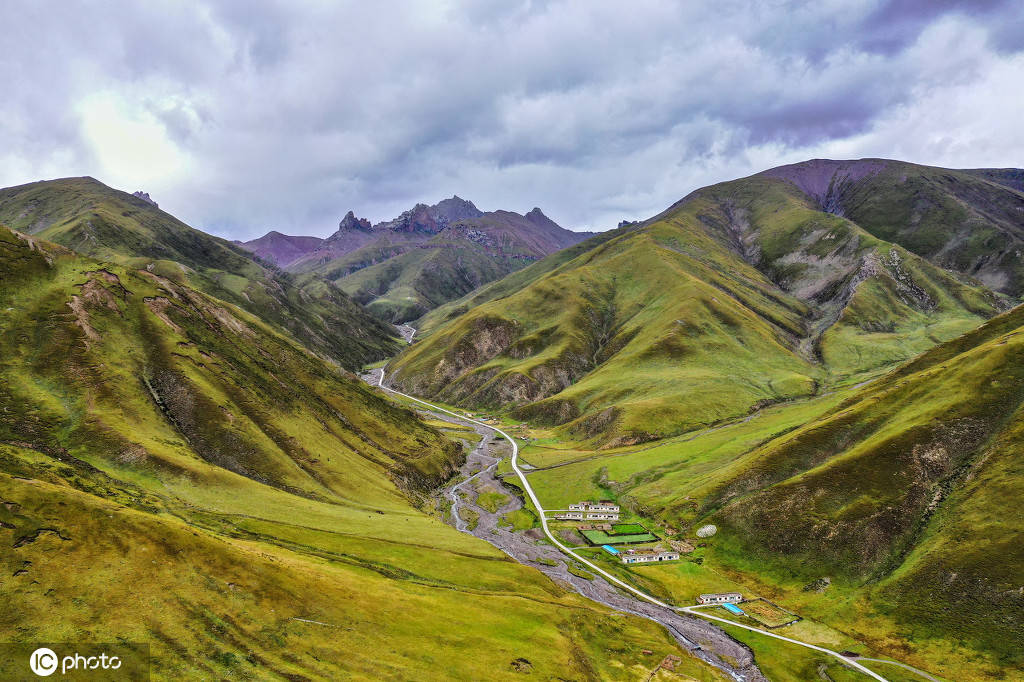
(44, 662)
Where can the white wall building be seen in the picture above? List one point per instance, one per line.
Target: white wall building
(648, 556)
(602, 516)
(720, 598)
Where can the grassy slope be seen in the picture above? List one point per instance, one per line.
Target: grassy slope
(406, 286)
(107, 224)
(897, 491)
(741, 295)
(174, 471)
(904, 485)
(968, 221)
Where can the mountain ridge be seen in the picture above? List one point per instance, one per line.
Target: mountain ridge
(107, 224)
(830, 300)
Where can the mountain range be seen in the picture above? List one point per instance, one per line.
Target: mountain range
(745, 293)
(178, 471)
(402, 268)
(822, 361)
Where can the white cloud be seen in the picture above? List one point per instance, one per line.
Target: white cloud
(245, 117)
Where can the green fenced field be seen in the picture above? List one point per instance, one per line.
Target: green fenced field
(599, 537)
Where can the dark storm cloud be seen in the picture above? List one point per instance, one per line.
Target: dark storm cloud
(242, 117)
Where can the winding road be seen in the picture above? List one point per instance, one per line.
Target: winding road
(693, 610)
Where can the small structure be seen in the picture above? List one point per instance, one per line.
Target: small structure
(569, 516)
(602, 506)
(647, 556)
(605, 516)
(733, 609)
(707, 531)
(611, 550)
(720, 598)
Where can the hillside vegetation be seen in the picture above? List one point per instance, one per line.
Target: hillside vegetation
(175, 471)
(106, 224)
(743, 294)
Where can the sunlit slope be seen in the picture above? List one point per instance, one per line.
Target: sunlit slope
(970, 221)
(405, 286)
(743, 293)
(123, 365)
(907, 485)
(95, 220)
(173, 471)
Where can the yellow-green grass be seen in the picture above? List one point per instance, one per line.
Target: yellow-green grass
(109, 225)
(666, 328)
(767, 614)
(667, 470)
(196, 595)
(782, 661)
(188, 477)
(491, 500)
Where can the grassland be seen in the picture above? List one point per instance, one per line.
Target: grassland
(744, 295)
(894, 491)
(108, 225)
(175, 471)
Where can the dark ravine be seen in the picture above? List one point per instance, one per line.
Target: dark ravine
(701, 639)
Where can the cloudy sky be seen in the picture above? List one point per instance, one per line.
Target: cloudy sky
(240, 117)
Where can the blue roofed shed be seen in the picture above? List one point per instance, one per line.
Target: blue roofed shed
(609, 549)
(732, 608)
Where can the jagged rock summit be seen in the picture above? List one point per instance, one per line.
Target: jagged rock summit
(145, 197)
(351, 222)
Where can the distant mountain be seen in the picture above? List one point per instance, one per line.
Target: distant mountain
(741, 294)
(87, 216)
(427, 256)
(281, 249)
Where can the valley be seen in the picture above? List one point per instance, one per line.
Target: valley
(604, 588)
(837, 398)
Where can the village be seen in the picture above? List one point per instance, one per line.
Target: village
(631, 543)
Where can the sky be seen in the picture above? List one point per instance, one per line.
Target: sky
(243, 117)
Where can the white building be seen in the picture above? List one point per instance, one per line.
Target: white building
(602, 516)
(569, 516)
(649, 556)
(720, 598)
(602, 506)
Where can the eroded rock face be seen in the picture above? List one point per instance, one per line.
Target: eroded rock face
(145, 197)
(351, 222)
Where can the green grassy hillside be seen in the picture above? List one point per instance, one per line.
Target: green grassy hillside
(741, 295)
(404, 284)
(970, 221)
(106, 224)
(175, 471)
(904, 487)
(898, 493)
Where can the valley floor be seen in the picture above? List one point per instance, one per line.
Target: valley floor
(737, 649)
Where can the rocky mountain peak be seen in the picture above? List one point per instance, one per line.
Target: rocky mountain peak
(454, 209)
(145, 197)
(350, 222)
